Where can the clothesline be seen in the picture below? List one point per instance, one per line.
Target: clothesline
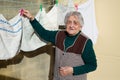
(24, 6)
(25, 2)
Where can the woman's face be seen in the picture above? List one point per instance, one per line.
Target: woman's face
(73, 26)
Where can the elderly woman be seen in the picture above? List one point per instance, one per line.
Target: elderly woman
(74, 53)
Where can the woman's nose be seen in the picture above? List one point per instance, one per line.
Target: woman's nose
(72, 24)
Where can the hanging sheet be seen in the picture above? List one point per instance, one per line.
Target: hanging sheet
(88, 13)
(10, 36)
(30, 41)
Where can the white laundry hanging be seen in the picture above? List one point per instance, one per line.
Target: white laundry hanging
(52, 16)
(30, 41)
(49, 20)
(10, 36)
(88, 13)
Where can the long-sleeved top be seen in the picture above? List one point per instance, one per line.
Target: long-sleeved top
(88, 54)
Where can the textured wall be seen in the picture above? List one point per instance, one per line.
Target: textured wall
(108, 45)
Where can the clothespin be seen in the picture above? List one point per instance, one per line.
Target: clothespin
(76, 6)
(40, 7)
(21, 12)
(56, 2)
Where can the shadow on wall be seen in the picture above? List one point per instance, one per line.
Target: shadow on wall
(19, 57)
(49, 49)
(2, 77)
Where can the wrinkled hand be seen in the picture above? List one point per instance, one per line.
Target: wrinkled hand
(27, 14)
(64, 71)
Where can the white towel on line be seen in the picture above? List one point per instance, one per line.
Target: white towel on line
(30, 41)
(10, 36)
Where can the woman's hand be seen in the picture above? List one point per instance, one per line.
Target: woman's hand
(27, 14)
(64, 71)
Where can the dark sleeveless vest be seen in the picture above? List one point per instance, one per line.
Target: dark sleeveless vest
(69, 57)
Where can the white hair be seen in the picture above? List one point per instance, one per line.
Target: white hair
(74, 13)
